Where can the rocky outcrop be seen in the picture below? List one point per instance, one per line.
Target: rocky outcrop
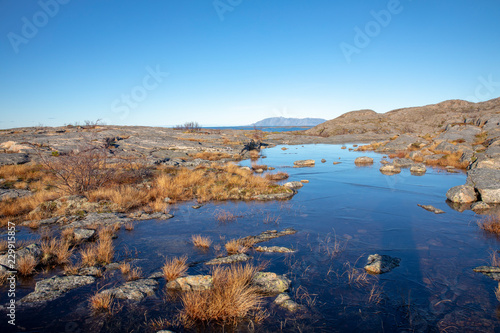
(486, 182)
(83, 235)
(190, 283)
(274, 196)
(304, 163)
(270, 283)
(50, 289)
(294, 185)
(33, 250)
(274, 249)
(6, 194)
(134, 290)
(269, 234)
(461, 194)
(379, 264)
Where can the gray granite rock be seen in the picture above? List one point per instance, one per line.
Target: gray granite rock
(379, 264)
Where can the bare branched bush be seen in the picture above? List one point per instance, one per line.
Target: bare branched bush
(191, 126)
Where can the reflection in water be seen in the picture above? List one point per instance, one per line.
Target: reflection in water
(343, 214)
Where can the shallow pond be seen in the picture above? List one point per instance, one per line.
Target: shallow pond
(342, 215)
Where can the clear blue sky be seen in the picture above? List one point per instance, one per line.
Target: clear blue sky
(233, 62)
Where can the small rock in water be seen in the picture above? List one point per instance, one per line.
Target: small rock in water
(284, 301)
(335, 163)
(389, 169)
(304, 181)
(293, 185)
(480, 206)
(431, 209)
(134, 290)
(82, 235)
(284, 148)
(490, 271)
(343, 147)
(304, 163)
(196, 206)
(229, 259)
(192, 282)
(363, 160)
(50, 289)
(323, 160)
(379, 264)
(277, 249)
(270, 283)
(418, 169)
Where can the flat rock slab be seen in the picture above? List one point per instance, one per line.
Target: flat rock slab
(6, 194)
(431, 209)
(490, 271)
(274, 249)
(270, 283)
(269, 234)
(487, 183)
(304, 163)
(100, 219)
(82, 235)
(285, 301)
(50, 289)
(229, 259)
(294, 185)
(134, 290)
(274, 196)
(192, 282)
(379, 264)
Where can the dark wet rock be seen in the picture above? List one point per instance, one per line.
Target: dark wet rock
(490, 271)
(418, 169)
(240, 257)
(83, 235)
(274, 196)
(461, 194)
(272, 249)
(134, 290)
(269, 234)
(379, 264)
(156, 275)
(90, 271)
(33, 249)
(403, 162)
(50, 289)
(431, 209)
(270, 283)
(6, 194)
(284, 300)
(363, 160)
(304, 163)
(14, 158)
(480, 206)
(389, 169)
(486, 182)
(192, 282)
(293, 185)
(112, 267)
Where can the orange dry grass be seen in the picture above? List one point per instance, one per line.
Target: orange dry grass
(26, 265)
(28, 172)
(239, 245)
(135, 274)
(24, 205)
(212, 156)
(491, 224)
(101, 302)
(277, 176)
(174, 268)
(57, 249)
(125, 268)
(201, 241)
(231, 299)
(450, 159)
(89, 255)
(126, 197)
(400, 154)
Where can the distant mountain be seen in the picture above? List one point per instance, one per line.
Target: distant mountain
(282, 121)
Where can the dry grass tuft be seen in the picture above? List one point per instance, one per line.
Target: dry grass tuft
(68, 234)
(490, 224)
(71, 269)
(355, 276)
(201, 241)
(26, 265)
(125, 268)
(223, 215)
(212, 156)
(129, 226)
(89, 255)
(4, 245)
(231, 299)
(135, 274)
(497, 292)
(101, 302)
(452, 159)
(174, 268)
(239, 245)
(63, 252)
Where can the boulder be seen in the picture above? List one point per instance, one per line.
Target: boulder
(379, 264)
(304, 163)
(487, 183)
(270, 283)
(240, 257)
(480, 206)
(50, 289)
(389, 169)
(462, 194)
(323, 160)
(403, 162)
(466, 132)
(134, 290)
(192, 282)
(83, 235)
(33, 249)
(363, 160)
